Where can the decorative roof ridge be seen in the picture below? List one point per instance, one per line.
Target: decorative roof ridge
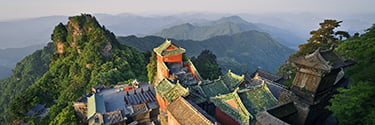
(195, 70)
(169, 93)
(180, 86)
(161, 49)
(313, 60)
(252, 88)
(92, 105)
(242, 111)
(265, 87)
(162, 46)
(240, 103)
(237, 100)
(233, 75)
(266, 73)
(261, 86)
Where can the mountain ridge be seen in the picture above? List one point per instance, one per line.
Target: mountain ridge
(226, 26)
(241, 52)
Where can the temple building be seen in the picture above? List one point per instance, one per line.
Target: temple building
(181, 97)
(230, 99)
(319, 75)
(257, 98)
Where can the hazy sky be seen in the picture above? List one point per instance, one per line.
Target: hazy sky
(15, 9)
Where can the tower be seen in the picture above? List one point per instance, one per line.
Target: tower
(168, 55)
(314, 84)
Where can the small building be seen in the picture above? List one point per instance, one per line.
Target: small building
(167, 92)
(318, 76)
(230, 110)
(108, 105)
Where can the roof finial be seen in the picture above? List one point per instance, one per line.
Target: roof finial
(166, 40)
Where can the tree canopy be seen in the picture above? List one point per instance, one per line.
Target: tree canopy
(206, 64)
(324, 37)
(356, 104)
(91, 56)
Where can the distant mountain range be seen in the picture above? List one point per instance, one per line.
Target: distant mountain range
(31, 31)
(288, 29)
(10, 56)
(241, 52)
(228, 26)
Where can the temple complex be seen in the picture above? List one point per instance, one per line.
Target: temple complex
(181, 97)
(257, 98)
(230, 99)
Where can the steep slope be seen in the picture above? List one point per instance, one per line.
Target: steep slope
(86, 54)
(241, 52)
(10, 56)
(227, 26)
(26, 72)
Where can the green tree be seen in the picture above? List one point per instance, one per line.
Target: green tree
(323, 38)
(151, 68)
(206, 64)
(66, 117)
(356, 104)
(342, 34)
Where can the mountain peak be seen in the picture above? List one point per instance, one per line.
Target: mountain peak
(233, 19)
(81, 32)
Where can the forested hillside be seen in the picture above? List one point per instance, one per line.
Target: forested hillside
(356, 105)
(240, 52)
(10, 56)
(85, 55)
(27, 71)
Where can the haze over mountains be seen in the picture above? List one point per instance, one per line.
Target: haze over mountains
(241, 52)
(26, 32)
(228, 26)
(27, 35)
(10, 56)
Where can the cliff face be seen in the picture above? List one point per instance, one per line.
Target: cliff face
(82, 31)
(86, 54)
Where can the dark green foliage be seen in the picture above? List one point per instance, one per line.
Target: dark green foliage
(322, 38)
(151, 68)
(206, 65)
(342, 34)
(356, 104)
(91, 56)
(59, 33)
(27, 71)
(66, 117)
(288, 71)
(325, 33)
